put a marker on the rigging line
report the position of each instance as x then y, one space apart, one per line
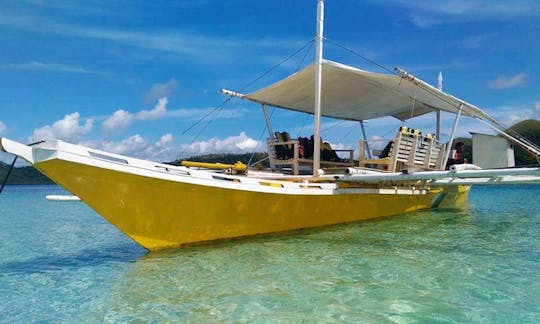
206 115
350 130
277 65
360 55
201 130
7 174
220 107
496 124
501 126
260 137
305 55
306 119
333 125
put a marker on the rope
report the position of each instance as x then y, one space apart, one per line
306 118
343 137
305 55
360 55
8 173
206 115
260 138
219 108
333 125
278 65
204 127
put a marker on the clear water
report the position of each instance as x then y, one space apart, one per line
59 261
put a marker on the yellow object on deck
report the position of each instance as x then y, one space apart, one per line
238 166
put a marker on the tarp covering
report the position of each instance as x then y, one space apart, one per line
354 94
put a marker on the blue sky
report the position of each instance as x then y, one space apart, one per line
132 76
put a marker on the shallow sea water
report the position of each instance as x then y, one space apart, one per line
60 261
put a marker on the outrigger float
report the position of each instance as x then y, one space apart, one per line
162 206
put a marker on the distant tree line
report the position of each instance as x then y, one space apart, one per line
23 175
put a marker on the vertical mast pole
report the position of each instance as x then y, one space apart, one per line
439 87
318 86
365 139
438 130
452 135
268 122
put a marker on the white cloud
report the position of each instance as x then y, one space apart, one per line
2 127
132 145
137 146
233 144
505 82
68 129
537 106
50 67
165 140
160 110
120 119
160 90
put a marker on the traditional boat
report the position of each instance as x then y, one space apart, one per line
162 206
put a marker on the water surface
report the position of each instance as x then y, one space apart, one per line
60 261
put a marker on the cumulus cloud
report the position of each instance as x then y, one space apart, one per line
160 90
120 119
159 111
69 129
505 82
165 140
233 144
137 146
2 127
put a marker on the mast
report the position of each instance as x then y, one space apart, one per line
438 112
318 86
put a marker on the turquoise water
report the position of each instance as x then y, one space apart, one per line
59 261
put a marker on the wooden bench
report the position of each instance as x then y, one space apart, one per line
409 149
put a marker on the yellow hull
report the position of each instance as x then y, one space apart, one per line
161 214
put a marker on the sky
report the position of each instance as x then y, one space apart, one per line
143 78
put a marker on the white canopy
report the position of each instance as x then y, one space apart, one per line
354 94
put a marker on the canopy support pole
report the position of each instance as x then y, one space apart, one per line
318 86
438 125
268 122
365 138
449 145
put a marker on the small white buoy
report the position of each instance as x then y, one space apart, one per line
62 198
